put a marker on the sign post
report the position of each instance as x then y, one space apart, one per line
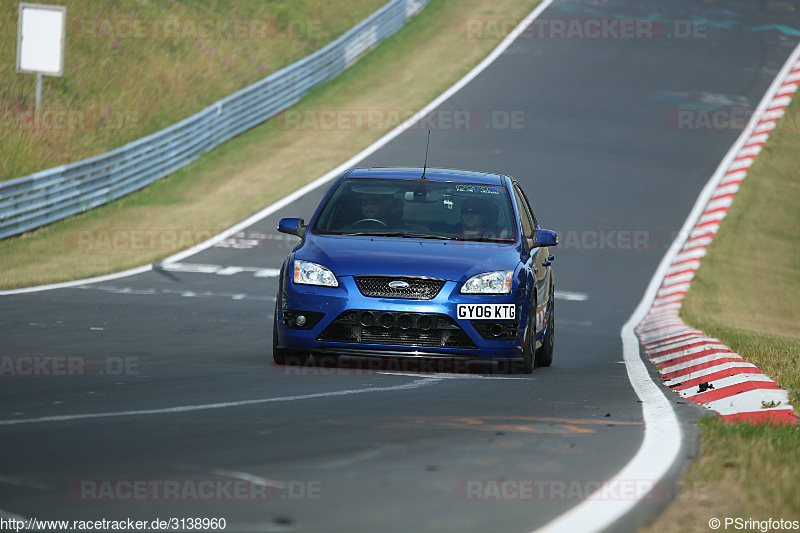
41 40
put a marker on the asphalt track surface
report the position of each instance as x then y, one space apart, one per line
596 146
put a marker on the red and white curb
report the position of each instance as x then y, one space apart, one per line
697 367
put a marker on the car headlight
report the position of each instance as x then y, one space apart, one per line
489 283
308 273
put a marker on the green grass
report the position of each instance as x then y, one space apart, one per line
120 85
760 459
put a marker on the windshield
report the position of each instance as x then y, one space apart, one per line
427 209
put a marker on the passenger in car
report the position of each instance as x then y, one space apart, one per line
477 219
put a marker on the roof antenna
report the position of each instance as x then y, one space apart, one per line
425 165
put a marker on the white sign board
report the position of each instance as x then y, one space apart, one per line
41 39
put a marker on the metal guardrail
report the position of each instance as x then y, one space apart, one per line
32 201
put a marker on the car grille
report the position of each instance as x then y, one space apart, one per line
417 289
407 329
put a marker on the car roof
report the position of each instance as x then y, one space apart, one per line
433 174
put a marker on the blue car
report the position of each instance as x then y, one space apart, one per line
437 264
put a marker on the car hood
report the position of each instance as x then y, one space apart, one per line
349 255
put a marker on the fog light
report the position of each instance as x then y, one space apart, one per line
300 321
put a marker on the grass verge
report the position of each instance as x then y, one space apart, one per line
747 294
745 472
264 164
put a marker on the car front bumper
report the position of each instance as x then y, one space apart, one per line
342 321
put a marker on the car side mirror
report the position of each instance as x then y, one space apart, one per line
544 237
292 226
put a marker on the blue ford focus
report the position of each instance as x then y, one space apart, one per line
438 264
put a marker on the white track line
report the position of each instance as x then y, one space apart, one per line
98 279
220 405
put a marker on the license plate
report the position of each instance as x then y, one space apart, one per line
487 311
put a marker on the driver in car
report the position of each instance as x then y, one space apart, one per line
374 206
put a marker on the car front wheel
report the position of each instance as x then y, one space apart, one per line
526 365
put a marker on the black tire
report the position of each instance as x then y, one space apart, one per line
544 355
526 365
285 356
528 351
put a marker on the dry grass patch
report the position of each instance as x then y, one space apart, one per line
122 83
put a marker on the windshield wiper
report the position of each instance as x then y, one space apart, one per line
403 234
475 238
